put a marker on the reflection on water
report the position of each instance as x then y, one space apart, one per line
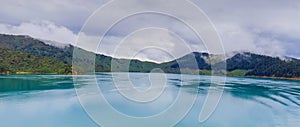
34 82
50 100
251 102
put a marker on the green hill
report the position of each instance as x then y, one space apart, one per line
261 65
26 54
21 62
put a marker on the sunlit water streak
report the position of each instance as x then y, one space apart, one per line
50 100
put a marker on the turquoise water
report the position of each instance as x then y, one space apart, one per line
51 100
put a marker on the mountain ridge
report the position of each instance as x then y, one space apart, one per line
227 55
240 64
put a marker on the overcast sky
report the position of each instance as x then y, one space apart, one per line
263 26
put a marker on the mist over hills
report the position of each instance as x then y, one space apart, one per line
26 54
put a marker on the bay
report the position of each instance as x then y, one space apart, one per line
51 100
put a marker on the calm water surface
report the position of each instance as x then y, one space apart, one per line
51 100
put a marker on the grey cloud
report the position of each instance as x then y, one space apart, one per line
69 13
241 24
264 26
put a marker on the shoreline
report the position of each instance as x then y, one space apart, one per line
38 73
33 73
280 78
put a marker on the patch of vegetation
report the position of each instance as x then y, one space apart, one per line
237 72
261 65
20 62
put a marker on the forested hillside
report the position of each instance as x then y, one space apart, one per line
26 54
21 62
261 65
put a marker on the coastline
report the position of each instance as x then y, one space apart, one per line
76 73
271 77
34 73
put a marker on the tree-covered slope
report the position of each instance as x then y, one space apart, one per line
16 61
23 53
64 54
188 61
262 65
36 47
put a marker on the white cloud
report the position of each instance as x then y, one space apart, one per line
42 30
151 44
